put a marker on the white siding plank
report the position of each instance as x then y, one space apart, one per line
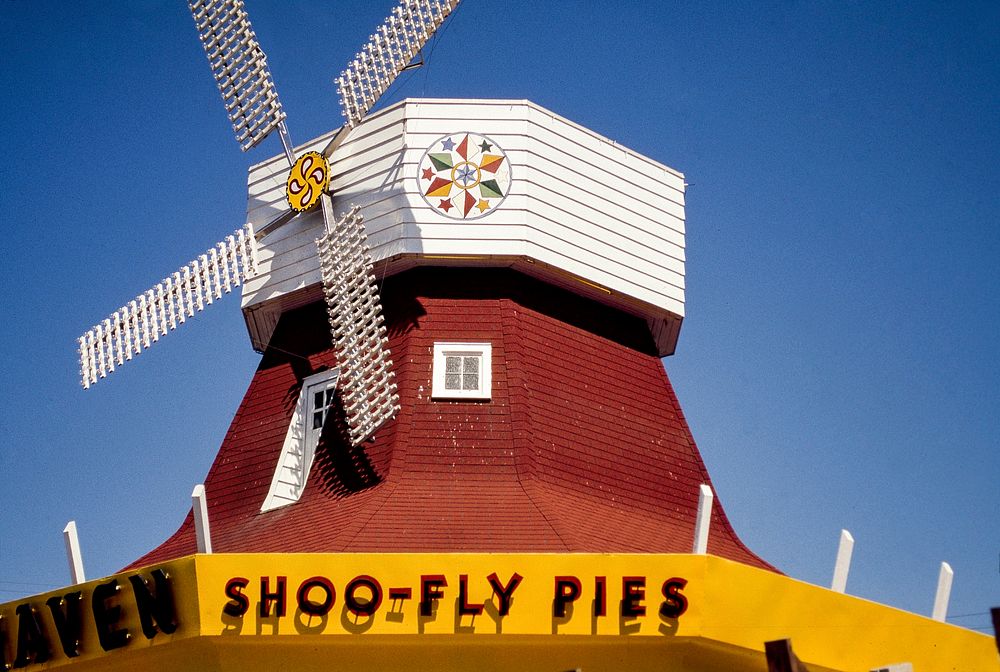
579 202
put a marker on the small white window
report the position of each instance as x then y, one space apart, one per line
462 371
319 396
301 439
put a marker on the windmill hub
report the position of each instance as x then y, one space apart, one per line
239 67
307 181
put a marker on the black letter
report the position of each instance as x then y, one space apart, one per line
356 606
567 590
32 646
400 594
464 608
3 646
430 590
266 598
675 604
633 593
315 608
66 615
600 595
4 665
105 617
239 603
159 606
504 593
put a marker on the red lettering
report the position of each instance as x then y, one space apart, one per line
504 593
368 607
316 608
400 594
633 593
278 597
238 602
464 608
674 603
567 591
600 596
430 591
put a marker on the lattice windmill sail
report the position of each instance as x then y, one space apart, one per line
356 323
388 52
240 69
138 324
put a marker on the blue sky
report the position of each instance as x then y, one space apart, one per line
838 363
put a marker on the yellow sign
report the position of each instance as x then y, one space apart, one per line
134 612
308 179
467 611
448 594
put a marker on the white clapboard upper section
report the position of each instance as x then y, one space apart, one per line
583 212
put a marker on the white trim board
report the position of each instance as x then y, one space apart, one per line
297 452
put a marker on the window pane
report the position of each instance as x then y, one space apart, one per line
470 381
453 381
471 364
317 420
452 364
318 400
329 397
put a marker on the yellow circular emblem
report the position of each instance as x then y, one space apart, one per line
309 178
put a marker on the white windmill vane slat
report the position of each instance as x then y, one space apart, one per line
138 324
387 53
369 392
240 69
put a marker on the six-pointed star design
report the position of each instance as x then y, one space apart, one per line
466 175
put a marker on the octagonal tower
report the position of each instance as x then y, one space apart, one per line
574 209
532 275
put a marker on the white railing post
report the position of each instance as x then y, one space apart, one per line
704 519
943 592
199 507
73 555
843 565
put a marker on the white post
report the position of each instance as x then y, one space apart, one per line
943 592
843 565
73 556
199 506
704 519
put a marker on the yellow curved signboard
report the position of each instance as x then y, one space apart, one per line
468 611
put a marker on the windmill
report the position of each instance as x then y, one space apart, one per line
240 69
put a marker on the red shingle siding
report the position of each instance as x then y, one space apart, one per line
582 447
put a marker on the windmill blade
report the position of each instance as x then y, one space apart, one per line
355 313
387 53
241 73
141 322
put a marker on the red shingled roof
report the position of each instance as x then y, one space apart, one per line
582 448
